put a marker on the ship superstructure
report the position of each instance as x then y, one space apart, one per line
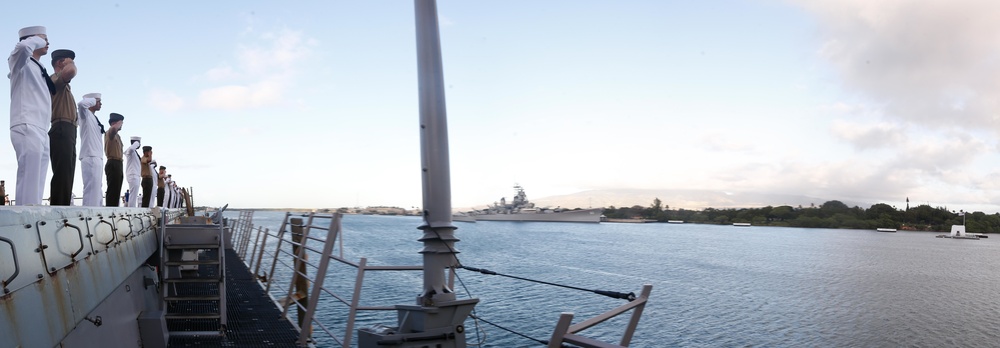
521 209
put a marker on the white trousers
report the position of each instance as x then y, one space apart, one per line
31 145
133 191
92 170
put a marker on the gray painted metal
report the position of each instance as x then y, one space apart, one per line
117 325
583 215
63 273
153 330
437 319
438 238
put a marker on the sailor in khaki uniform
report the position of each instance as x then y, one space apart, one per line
147 177
31 92
113 168
153 193
62 133
161 193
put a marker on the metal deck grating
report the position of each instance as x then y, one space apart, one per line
254 321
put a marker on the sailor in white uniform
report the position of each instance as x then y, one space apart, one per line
173 195
91 149
168 192
30 113
156 174
133 171
176 195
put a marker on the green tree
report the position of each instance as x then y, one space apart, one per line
783 213
831 208
876 211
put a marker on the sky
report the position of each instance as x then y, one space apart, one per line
262 104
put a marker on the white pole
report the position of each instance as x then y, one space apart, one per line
439 236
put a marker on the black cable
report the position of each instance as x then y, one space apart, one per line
479 340
467 292
516 333
630 296
613 294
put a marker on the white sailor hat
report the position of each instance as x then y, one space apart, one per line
28 31
92 95
136 138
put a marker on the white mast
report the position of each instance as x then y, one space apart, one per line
437 319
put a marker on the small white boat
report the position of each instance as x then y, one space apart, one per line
675 221
741 224
886 229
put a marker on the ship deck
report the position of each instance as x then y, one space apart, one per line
253 318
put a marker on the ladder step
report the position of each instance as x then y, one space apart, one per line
191 246
192 316
192 262
193 298
193 280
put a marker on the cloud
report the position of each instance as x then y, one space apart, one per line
864 136
726 142
262 74
921 77
931 63
445 21
935 156
238 97
221 73
165 100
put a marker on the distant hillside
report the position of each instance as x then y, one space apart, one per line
675 199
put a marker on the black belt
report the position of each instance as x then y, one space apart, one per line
64 121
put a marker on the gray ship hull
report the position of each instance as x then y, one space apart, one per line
584 215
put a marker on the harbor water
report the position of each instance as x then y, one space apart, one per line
713 286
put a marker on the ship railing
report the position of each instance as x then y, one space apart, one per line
241 233
566 332
306 255
171 215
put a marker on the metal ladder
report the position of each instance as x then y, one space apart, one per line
192 268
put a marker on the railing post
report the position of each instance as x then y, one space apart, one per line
277 252
260 255
633 322
245 227
313 299
256 242
236 229
245 237
301 282
565 319
355 300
